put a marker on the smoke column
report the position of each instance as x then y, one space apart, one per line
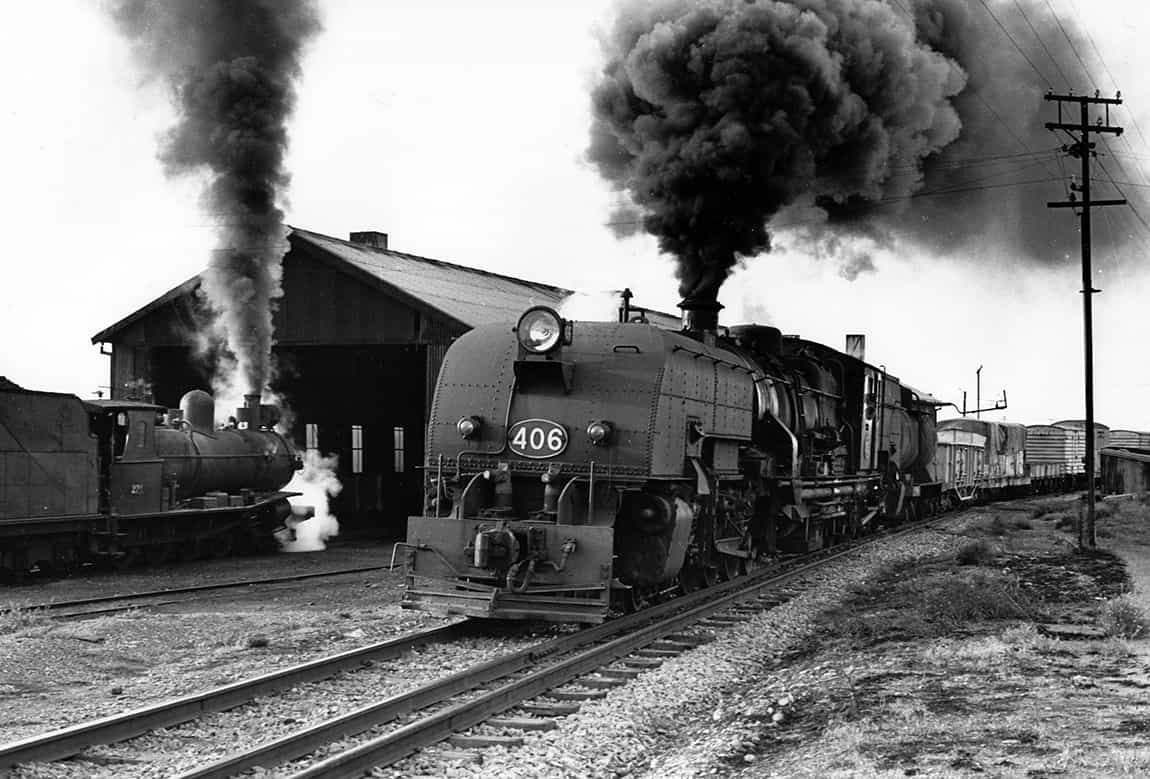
232 68
724 120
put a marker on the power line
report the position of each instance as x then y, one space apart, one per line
1006 32
1090 78
1130 203
1042 43
1002 121
1114 83
1073 48
957 190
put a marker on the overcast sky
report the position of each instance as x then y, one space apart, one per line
460 131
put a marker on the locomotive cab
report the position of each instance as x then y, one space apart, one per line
125 432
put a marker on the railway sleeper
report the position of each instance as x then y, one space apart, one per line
653 652
523 723
479 742
577 694
547 709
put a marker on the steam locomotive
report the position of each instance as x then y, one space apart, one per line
123 481
576 467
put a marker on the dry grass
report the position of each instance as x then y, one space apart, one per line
925 599
15 619
1122 618
938 668
1126 519
977 552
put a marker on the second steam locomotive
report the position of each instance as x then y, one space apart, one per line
122 481
574 467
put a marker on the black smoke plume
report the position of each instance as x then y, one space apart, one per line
232 67
717 117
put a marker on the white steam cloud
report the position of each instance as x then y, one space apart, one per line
317 481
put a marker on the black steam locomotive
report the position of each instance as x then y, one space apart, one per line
577 466
122 481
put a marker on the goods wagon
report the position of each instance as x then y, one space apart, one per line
977 459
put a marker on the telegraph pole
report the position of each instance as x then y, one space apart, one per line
1083 148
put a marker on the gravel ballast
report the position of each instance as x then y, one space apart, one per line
707 711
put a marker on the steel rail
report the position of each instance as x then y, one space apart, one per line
119 727
55 605
625 634
398 744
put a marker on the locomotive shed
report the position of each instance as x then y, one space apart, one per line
361 331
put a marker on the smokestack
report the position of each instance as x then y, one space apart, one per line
370 238
701 317
249 416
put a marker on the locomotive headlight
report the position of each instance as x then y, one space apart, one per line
599 432
540 330
468 427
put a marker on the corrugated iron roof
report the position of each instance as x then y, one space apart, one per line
470 296
473 297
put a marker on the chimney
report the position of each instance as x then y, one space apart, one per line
248 415
370 238
856 346
701 318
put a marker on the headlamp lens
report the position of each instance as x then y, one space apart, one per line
539 330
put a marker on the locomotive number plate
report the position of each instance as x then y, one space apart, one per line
537 438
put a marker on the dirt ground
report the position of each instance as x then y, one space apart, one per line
56 673
1017 657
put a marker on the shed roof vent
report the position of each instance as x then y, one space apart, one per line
372 238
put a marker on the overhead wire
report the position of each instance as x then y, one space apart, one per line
1042 43
1013 41
1073 48
1114 183
1114 83
1086 72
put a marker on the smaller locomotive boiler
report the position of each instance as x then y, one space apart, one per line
575 467
124 481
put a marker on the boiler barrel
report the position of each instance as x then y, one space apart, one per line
224 460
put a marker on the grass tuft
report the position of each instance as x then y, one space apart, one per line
978 552
958 600
14 619
996 527
1122 618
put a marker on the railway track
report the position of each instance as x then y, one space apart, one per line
110 604
559 672
69 741
582 666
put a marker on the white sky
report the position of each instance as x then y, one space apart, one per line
459 130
